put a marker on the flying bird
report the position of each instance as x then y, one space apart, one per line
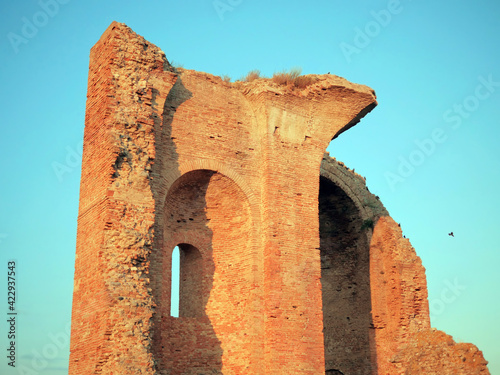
451 234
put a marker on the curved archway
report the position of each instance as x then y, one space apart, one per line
209 217
345 279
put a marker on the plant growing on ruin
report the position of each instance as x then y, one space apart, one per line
287 78
252 76
293 78
368 224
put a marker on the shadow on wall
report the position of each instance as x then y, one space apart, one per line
345 277
187 344
207 215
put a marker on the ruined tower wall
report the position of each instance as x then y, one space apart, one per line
230 173
112 301
379 295
155 127
400 339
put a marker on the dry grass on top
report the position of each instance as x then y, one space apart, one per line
292 78
252 76
176 66
303 81
287 78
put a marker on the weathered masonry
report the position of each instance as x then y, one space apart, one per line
288 264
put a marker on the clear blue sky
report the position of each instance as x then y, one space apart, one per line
429 150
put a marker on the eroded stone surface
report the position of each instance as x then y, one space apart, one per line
434 352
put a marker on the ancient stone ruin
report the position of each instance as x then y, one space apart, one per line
288 264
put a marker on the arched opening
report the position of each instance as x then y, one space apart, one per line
345 281
207 216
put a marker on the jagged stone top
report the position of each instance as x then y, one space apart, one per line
317 82
354 185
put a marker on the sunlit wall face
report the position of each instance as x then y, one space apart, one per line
423 61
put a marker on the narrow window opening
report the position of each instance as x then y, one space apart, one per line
174 294
186 299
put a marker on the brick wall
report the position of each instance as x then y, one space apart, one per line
230 173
